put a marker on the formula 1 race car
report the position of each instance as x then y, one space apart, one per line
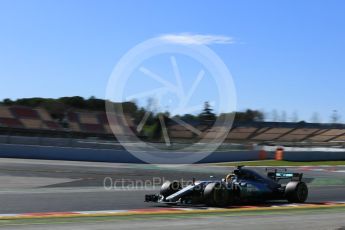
243 185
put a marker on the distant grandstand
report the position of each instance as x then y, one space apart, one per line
24 117
271 132
285 132
25 120
21 120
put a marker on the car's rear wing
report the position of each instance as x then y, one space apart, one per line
277 174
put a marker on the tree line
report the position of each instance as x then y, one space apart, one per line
58 108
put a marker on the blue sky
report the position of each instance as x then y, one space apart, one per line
286 55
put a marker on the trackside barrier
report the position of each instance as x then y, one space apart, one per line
245 155
122 156
110 155
263 155
66 153
313 156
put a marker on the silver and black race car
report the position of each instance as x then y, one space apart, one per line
242 185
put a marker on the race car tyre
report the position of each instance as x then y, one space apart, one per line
169 188
216 194
296 192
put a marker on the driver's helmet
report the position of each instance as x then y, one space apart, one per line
229 177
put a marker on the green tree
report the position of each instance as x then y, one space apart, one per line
7 101
249 116
74 102
207 115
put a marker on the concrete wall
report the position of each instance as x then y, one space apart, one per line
249 155
122 156
107 155
313 156
66 153
61 142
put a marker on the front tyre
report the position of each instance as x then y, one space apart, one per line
169 188
216 194
296 192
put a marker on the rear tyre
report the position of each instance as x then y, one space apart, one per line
296 192
169 188
216 194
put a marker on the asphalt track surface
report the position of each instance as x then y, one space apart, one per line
59 186
315 221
